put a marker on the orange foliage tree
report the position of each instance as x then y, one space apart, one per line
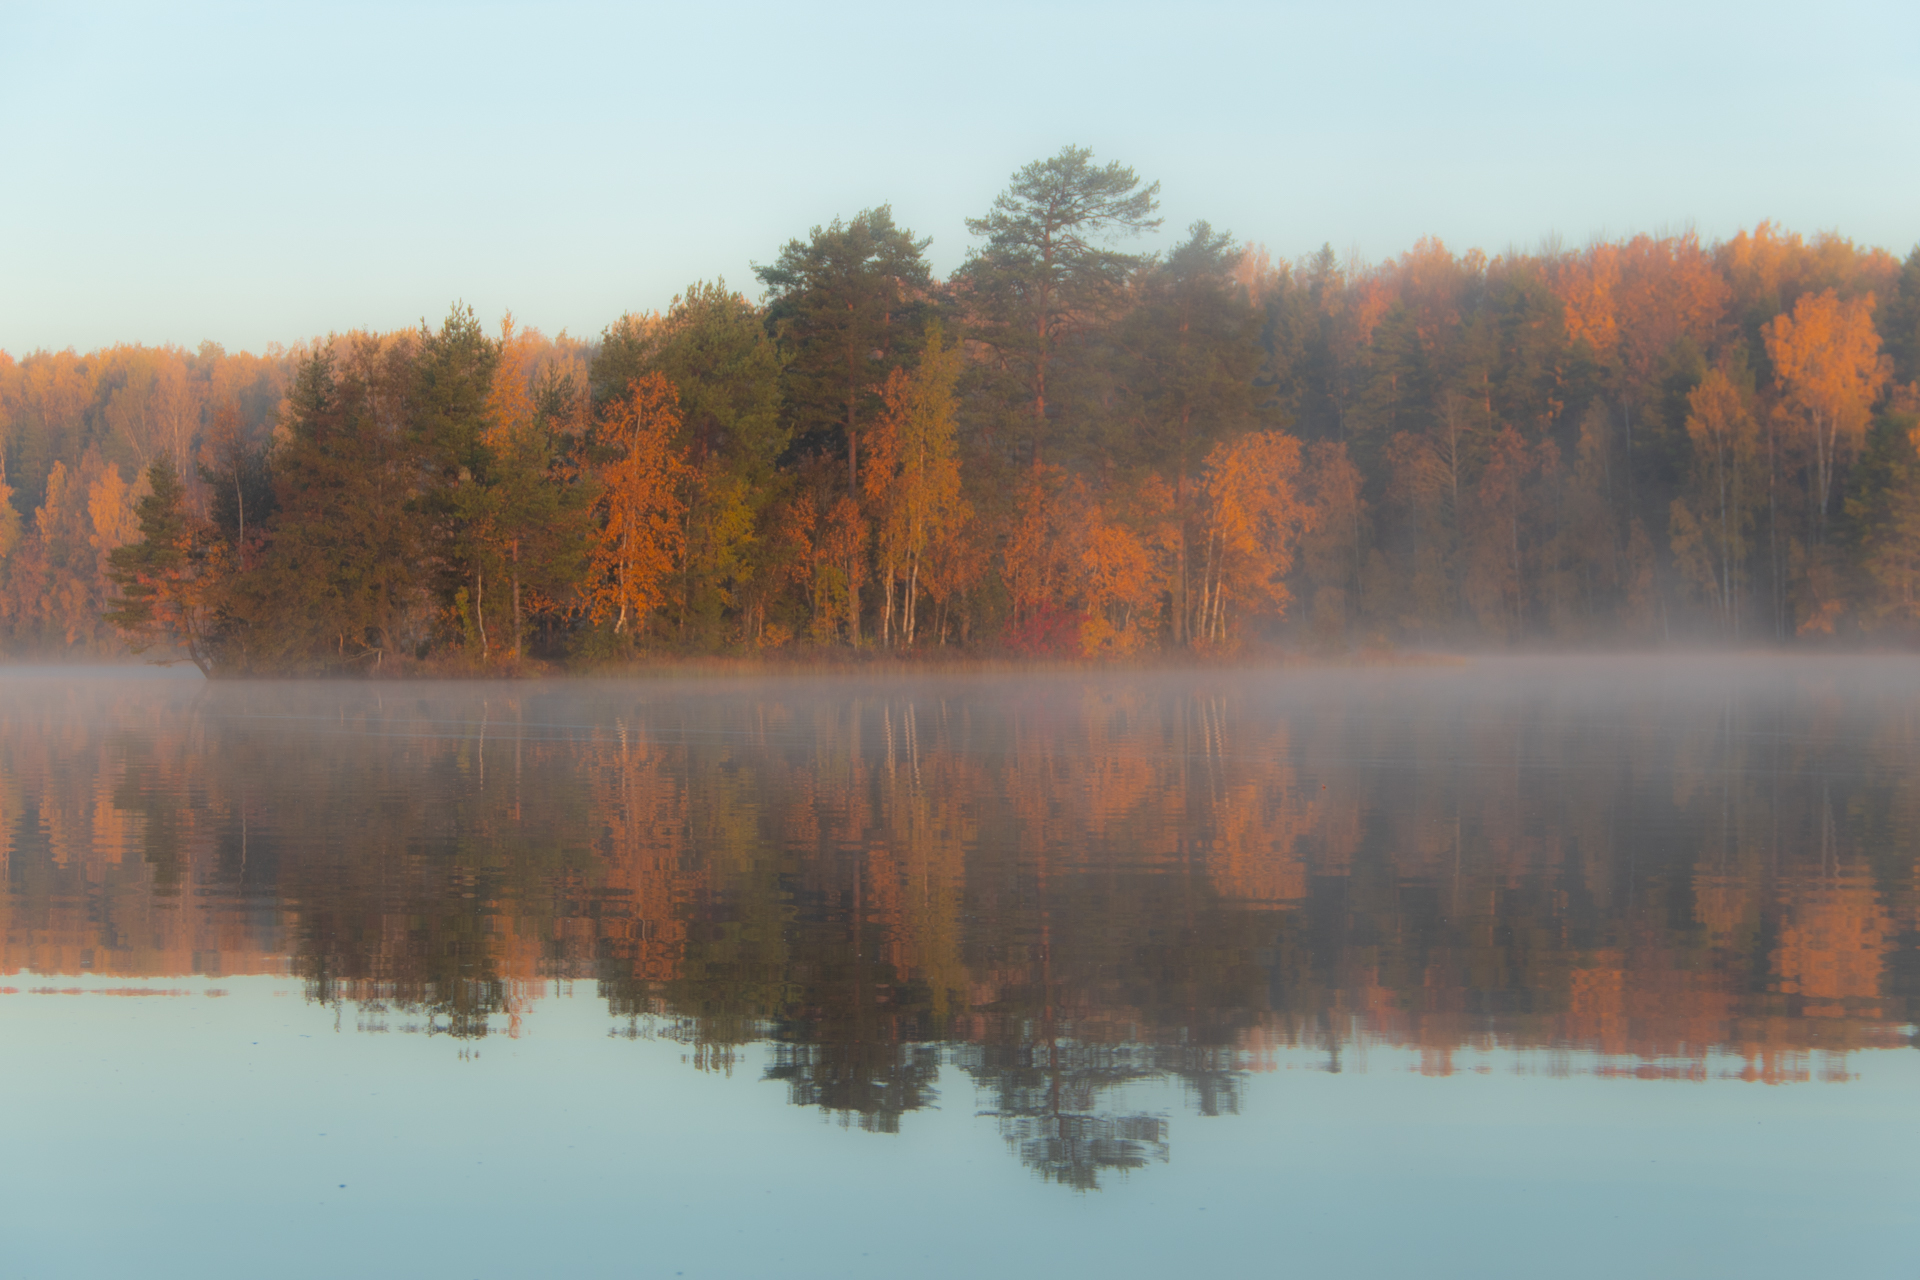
1041 556
640 504
1253 522
1122 588
1710 524
1826 359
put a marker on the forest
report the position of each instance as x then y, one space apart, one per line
1065 449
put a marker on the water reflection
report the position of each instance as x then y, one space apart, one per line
1059 885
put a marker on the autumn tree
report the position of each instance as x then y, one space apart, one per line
955 567
912 479
1124 548
1253 521
640 505
1041 560
9 515
1826 360
154 405
1711 523
56 582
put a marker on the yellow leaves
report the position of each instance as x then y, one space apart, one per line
823 544
641 504
912 476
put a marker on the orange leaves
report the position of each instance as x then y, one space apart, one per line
823 543
1121 582
1668 289
1631 301
1040 563
1113 558
1709 526
640 504
1826 358
1585 286
510 394
1254 520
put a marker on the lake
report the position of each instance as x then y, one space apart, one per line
1574 967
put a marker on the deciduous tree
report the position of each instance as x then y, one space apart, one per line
1826 359
640 505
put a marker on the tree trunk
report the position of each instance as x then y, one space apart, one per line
1180 630
518 623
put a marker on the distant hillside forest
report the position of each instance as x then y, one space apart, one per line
1063 449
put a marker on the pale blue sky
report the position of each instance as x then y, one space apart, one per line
253 173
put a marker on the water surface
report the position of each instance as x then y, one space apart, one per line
1572 967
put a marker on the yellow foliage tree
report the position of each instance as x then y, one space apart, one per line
912 477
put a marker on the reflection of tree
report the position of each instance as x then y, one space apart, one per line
878 1083
1045 1098
1067 889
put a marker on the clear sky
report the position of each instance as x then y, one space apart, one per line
261 173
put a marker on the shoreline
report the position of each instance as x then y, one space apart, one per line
878 665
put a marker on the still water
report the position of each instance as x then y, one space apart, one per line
1550 967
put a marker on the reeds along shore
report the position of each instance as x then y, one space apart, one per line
1102 456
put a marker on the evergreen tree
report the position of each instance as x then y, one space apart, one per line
1190 351
1044 275
846 305
343 583
165 580
715 350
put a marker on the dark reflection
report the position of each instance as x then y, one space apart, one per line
1063 887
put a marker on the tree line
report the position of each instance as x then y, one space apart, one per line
1065 448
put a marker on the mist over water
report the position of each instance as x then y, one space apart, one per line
1474 939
